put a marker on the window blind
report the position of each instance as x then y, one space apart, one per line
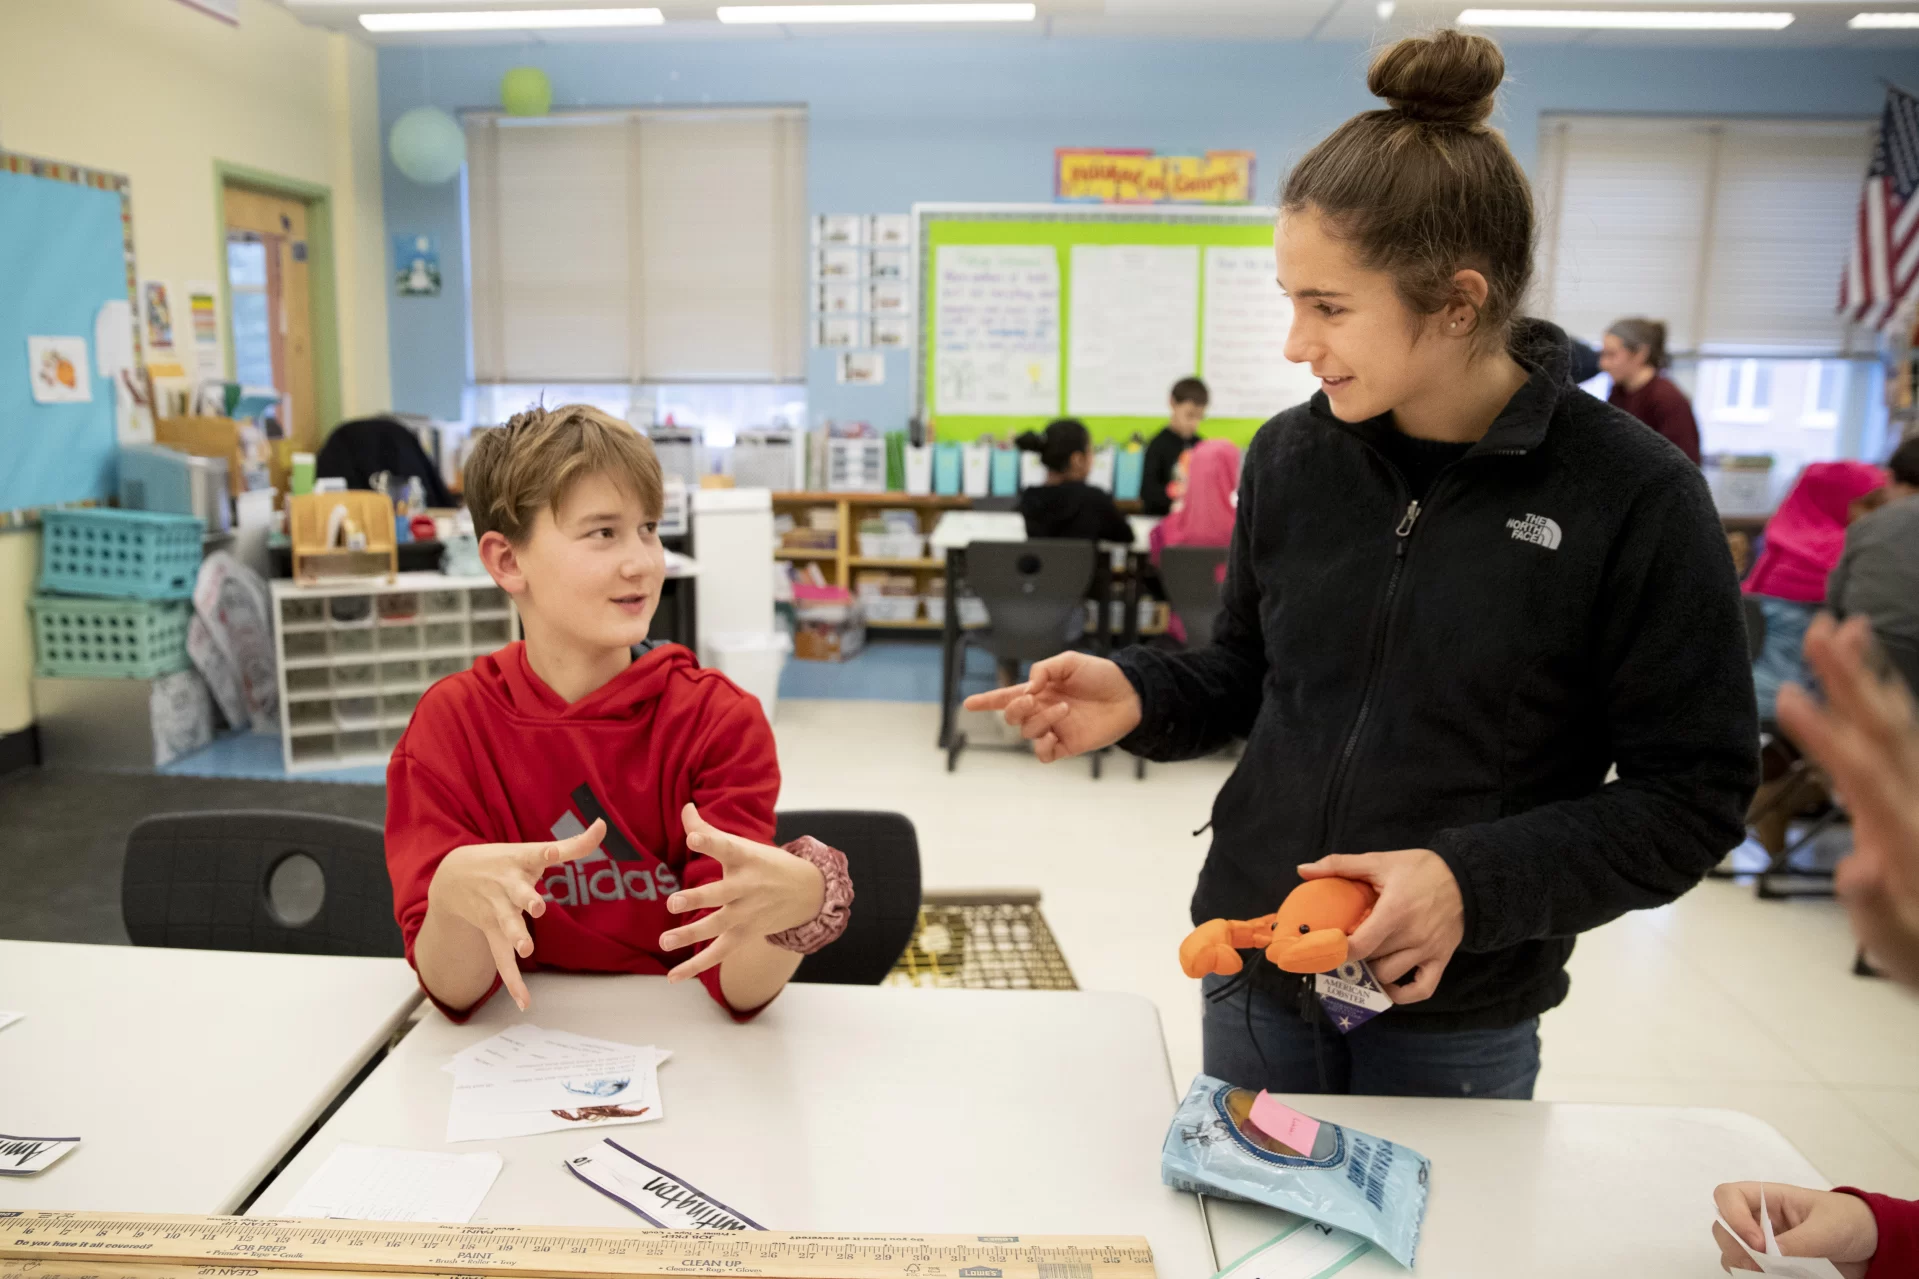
1731 231
638 246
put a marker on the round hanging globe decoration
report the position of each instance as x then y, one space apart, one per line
526 91
427 145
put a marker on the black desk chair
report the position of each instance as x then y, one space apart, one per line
883 860
290 883
1035 597
1190 575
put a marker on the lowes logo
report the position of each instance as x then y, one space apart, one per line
1536 529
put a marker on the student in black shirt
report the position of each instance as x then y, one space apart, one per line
1180 433
1066 505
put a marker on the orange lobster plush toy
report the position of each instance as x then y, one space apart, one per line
1307 935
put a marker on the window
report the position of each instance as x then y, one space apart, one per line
1825 393
638 246
249 309
1744 390
1734 232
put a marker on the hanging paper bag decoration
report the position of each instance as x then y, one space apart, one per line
526 91
427 145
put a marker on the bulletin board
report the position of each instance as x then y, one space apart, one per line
1138 298
66 248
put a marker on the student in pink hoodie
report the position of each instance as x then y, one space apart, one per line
1804 540
1208 497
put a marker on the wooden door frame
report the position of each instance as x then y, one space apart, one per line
322 288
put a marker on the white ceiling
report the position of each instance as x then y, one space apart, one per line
1820 23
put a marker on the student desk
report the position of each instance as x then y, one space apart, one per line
864 1108
954 532
188 1074
1526 1188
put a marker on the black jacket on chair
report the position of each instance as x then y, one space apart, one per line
359 450
1459 674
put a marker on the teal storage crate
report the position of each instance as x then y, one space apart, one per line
946 469
76 638
1129 469
141 555
1005 474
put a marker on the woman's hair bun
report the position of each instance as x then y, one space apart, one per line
1030 441
1448 77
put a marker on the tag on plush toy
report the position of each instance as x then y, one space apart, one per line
1774 1262
1351 995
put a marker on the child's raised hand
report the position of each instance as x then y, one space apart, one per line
490 886
1806 1223
764 890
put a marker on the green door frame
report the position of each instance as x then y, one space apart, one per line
322 288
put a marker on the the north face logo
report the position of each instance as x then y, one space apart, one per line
1536 529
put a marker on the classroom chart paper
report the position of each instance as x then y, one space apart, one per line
1247 318
1133 327
997 343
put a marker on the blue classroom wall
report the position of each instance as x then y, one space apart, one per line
899 119
62 254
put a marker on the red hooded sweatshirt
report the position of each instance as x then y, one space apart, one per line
493 755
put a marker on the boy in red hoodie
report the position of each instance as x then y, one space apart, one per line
587 799
1866 735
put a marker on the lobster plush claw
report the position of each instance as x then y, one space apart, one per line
1214 946
1313 923
1307 935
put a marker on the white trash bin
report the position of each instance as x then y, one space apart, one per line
753 660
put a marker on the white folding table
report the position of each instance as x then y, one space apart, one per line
187 1074
1529 1188
840 1108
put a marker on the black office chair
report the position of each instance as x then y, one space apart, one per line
883 860
1190 575
1035 597
291 883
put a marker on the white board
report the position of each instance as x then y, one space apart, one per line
1135 327
1247 373
997 347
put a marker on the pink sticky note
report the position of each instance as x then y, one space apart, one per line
1284 1124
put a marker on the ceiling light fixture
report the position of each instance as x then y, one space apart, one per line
798 13
1625 20
1883 21
511 19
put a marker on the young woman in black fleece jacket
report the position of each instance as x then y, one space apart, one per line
1459 591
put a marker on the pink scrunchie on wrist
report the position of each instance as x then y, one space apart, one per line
825 928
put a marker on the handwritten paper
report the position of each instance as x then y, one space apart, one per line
996 331
1133 328
378 1183
1284 1124
7 1019
655 1194
1247 318
24 1156
1304 1250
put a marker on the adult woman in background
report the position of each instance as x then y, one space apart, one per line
1634 356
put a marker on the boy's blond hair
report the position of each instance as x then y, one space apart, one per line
538 456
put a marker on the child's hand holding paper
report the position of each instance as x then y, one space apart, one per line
1826 1233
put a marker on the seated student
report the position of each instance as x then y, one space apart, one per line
1867 738
588 778
1187 411
1066 505
1878 573
1208 496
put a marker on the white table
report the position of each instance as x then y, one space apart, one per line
188 1074
1525 1188
840 1108
957 528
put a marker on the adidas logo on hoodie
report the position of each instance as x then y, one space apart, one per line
597 877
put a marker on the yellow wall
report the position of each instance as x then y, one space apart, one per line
159 91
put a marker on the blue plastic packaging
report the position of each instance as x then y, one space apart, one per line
1366 1185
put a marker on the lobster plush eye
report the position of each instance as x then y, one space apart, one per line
1304 929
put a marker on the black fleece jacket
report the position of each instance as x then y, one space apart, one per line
1459 674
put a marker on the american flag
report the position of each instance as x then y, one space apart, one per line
1884 266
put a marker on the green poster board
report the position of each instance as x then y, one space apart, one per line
1061 227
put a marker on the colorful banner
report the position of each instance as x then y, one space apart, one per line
1103 175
